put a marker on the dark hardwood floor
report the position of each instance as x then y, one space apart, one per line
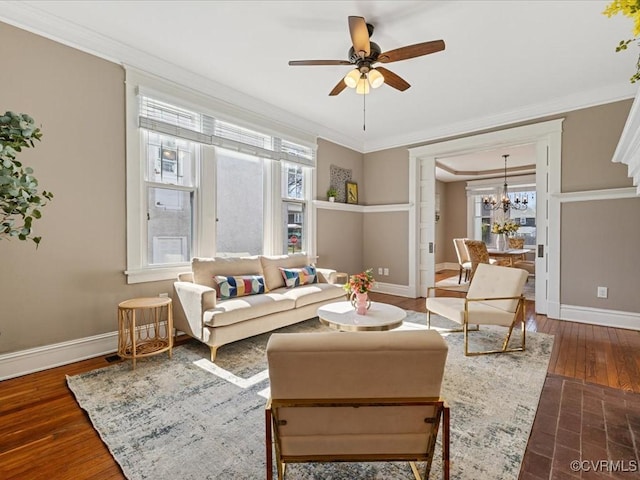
589 406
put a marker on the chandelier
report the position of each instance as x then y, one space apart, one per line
505 204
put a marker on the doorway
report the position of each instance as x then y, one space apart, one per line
547 139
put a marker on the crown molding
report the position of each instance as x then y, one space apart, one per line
577 101
30 18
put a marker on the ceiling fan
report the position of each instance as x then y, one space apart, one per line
364 54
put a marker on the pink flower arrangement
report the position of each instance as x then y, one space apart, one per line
361 282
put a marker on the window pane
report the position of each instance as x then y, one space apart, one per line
170 160
483 218
165 112
240 200
292 182
169 225
293 215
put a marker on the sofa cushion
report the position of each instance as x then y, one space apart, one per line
308 294
234 310
205 269
240 286
294 277
271 264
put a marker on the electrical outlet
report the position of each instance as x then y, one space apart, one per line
379 270
163 295
386 271
603 292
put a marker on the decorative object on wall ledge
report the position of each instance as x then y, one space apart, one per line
20 201
332 193
338 177
352 193
631 9
505 204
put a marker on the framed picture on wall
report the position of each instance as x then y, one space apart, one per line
352 192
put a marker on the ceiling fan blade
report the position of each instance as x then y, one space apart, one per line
318 62
411 51
338 88
359 35
393 80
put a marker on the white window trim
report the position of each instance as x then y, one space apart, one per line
205 217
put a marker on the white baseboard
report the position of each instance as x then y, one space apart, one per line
392 289
20 363
598 316
447 266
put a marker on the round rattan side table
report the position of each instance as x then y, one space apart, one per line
145 327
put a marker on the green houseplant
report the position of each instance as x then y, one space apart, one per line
20 200
332 193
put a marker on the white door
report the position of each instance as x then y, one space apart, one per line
426 224
547 136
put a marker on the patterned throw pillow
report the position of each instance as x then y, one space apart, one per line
294 277
231 287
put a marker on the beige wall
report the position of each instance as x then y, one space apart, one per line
386 177
339 240
600 240
339 237
589 139
70 287
386 244
343 157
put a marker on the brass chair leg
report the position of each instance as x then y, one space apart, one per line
214 352
415 471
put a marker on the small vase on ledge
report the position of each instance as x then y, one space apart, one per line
361 302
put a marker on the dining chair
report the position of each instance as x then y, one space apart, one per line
463 259
522 262
478 253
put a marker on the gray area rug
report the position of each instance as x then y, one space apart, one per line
190 419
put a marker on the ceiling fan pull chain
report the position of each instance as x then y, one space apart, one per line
364 113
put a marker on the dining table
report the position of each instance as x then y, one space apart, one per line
511 254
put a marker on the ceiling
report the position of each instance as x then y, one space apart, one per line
505 61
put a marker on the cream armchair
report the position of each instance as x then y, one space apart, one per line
356 396
494 298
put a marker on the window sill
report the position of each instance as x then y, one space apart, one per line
155 274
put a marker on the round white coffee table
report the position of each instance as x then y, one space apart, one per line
342 316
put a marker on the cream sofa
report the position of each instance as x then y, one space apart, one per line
201 314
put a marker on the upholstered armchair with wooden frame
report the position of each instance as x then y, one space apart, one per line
356 397
494 298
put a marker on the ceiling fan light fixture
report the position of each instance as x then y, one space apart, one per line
376 79
352 78
363 86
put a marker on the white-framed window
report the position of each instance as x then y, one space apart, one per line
201 183
295 205
480 219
